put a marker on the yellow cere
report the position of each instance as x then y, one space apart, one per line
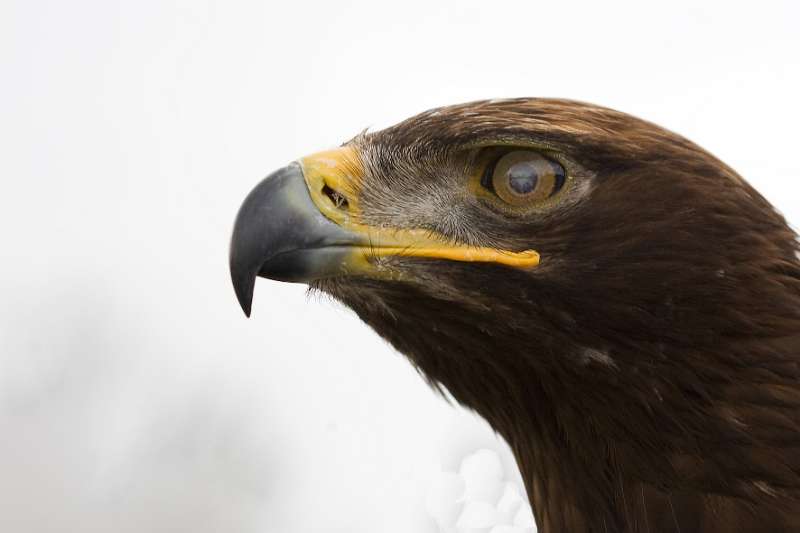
341 170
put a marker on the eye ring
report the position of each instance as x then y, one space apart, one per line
523 177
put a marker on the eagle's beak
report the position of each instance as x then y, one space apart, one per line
301 223
280 234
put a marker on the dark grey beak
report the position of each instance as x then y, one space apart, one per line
280 234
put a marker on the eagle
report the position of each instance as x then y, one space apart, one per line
621 306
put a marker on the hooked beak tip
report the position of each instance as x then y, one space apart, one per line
242 273
244 293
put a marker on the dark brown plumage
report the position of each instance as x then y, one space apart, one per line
646 373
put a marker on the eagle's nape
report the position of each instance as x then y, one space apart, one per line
633 331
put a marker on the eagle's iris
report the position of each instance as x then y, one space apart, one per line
525 177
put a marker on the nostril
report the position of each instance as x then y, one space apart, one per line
339 200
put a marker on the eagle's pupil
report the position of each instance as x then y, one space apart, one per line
522 177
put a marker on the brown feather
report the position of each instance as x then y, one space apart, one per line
646 375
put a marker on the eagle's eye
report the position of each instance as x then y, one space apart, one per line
523 177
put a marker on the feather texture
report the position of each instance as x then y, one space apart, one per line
646 374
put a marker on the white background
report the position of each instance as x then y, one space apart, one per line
134 395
